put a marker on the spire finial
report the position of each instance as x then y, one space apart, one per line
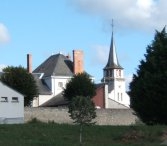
112 25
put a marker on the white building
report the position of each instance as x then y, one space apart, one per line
113 76
11 105
53 74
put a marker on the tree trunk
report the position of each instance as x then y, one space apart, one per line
80 137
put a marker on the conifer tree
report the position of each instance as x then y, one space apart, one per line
148 89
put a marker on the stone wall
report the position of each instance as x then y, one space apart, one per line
61 115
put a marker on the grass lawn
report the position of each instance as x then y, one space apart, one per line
43 134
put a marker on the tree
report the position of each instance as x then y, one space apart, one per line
19 79
82 111
79 85
79 91
148 89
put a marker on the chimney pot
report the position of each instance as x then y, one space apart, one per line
29 63
78 61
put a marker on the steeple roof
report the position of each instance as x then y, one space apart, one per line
113 59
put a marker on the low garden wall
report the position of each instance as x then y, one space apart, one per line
61 115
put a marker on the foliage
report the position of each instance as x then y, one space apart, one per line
34 121
79 91
19 79
79 85
82 110
148 89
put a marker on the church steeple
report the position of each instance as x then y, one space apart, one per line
113 59
113 77
112 70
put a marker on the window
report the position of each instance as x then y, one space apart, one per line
120 73
121 97
110 73
15 99
60 85
118 96
4 99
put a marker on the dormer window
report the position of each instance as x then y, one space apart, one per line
60 85
4 99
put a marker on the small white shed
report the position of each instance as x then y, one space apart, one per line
11 105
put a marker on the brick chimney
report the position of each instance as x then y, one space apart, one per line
29 63
78 61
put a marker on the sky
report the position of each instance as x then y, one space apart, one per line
43 28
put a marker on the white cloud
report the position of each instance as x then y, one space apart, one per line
137 14
4 35
101 55
2 66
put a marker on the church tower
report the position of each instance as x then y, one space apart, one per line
113 76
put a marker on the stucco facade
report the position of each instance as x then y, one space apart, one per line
11 105
56 84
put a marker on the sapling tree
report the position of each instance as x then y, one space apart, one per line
82 111
79 92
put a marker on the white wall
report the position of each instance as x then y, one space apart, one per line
56 84
116 105
119 93
10 109
59 83
41 99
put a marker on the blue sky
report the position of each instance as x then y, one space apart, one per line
43 28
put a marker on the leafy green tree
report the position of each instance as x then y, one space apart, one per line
79 85
19 79
148 89
79 91
82 111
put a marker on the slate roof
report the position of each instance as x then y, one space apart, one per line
43 89
113 59
57 100
118 104
99 85
56 65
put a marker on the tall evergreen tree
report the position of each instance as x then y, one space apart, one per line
19 79
148 89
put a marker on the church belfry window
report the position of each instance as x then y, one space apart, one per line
110 73
119 72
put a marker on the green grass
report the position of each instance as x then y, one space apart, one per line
42 134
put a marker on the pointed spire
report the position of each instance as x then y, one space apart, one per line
112 59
